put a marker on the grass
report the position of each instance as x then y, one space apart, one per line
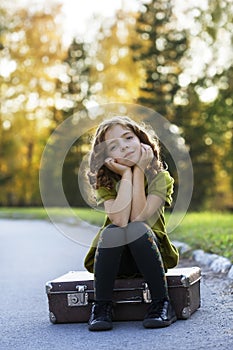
61 214
210 231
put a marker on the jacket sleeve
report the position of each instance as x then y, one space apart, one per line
103 194
162 186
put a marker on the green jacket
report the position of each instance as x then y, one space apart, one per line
162 186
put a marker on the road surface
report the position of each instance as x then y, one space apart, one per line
34 252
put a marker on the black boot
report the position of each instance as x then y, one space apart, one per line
101 316
160 314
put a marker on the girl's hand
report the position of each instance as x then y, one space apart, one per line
147 155
116 167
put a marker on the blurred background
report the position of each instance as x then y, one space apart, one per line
60 58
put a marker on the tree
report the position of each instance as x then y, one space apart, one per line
32 52
159 46
8 145
204 103
114 71
193 96
72 93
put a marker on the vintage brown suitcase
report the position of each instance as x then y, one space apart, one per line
71 295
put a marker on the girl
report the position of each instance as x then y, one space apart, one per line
131 182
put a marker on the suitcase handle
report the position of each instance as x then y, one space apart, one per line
136 300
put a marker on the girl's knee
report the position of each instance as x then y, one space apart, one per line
111 236
136 230
110 229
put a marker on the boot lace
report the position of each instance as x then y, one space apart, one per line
103 310
155 310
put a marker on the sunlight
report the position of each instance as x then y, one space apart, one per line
7 67
79 14
208 95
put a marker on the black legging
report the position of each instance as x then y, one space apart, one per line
128 251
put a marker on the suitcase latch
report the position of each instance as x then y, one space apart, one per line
78 299
146 294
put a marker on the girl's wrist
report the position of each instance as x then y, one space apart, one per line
127 174
138 169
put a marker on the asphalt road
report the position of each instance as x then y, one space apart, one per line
34 252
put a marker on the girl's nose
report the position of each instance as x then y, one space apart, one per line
123 146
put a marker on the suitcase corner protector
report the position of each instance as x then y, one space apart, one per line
48 287
52 317
186 313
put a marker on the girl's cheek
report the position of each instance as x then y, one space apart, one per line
140 150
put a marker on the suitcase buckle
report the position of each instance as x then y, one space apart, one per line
146 294
78 299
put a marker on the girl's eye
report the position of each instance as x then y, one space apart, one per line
112 148
129 137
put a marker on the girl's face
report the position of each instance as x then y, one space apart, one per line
123 145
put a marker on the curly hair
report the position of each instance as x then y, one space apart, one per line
99 175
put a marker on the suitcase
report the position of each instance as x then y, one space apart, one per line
71 295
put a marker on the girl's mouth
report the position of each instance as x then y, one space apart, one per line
128 155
